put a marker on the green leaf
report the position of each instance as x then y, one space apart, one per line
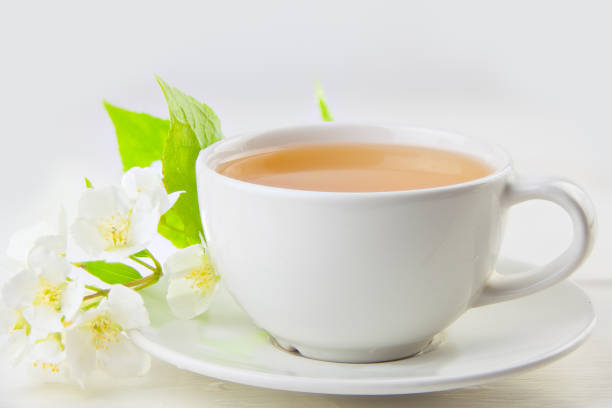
172 228
141 254
193 114
140 136
325 113
193 126
111 273
88 183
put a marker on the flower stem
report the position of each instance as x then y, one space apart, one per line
148 280
90 287
146 265
101 292
88 305
137 284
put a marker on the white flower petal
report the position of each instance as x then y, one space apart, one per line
83 318
184 261
139 182
43 319
163 203
53 244
55 272
16 346
129 183
47 351
20 289
22 241
124 359
47 263
143 223
126 308
109 227
72 297
9 267
13 342
8 318
80 354
102 202
172 198
48 249
100 212
157 167
87 236
39 372
184 301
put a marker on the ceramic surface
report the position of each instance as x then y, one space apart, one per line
365 277
485 344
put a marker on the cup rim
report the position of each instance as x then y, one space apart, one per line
205 157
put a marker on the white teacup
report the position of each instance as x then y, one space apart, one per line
366 277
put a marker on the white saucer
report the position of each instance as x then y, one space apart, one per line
485 344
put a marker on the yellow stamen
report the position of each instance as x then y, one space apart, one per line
114 229
204 278
48 294
104 331
46 366
51 367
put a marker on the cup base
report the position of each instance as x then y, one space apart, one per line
377 355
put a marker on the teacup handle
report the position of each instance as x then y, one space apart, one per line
582 213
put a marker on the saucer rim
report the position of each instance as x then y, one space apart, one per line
360 386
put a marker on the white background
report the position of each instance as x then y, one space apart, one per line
533 76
